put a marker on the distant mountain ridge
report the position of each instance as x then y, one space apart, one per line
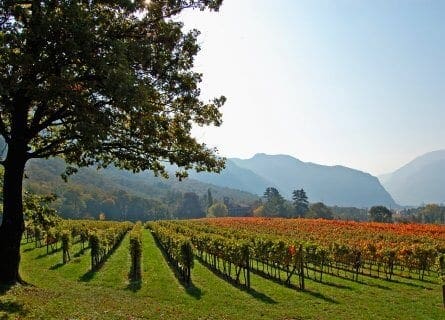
333 185
236 177
422 180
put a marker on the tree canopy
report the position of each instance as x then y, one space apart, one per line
217 209
432 213
319 210
274 203
97 82
380 214
104 82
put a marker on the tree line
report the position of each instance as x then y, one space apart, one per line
273 204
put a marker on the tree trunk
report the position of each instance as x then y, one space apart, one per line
13 225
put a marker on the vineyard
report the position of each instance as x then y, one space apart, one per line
230 268
283 249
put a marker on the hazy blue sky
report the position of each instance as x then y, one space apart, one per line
356 83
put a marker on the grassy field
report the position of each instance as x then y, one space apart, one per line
72 292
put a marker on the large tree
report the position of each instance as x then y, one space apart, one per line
97 82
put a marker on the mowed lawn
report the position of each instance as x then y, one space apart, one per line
72 292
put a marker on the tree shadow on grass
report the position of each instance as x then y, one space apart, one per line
80 252
320 296
50 253
332 284
5 288
255 294
8 306
310 292
89 275
411 284
193 291
57 266
190 288
134 286
405 280
264 275
374 285
28 249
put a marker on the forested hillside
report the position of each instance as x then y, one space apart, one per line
123 195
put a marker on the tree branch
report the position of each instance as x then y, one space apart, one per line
36 127
49 149
48 154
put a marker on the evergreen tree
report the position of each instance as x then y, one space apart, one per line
271 193
274 203
300 202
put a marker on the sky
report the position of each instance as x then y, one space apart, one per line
341 82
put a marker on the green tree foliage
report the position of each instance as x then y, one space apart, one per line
38 210
350 213
259 211
217 209
300 202
123 66
271 193
319 210
274 203
190 206
106 82
380 214
432 213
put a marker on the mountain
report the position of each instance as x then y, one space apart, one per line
333 185
420 181
235 177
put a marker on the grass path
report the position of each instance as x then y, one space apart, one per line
73 292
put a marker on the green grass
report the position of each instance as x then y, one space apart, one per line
72 292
